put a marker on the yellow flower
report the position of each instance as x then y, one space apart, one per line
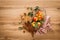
33 24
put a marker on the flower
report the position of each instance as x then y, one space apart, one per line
33 24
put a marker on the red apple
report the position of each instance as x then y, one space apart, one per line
35 19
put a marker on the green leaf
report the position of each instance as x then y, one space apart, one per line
36 8
36 25
30 14
20 28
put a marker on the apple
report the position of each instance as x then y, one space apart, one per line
35 18
39 24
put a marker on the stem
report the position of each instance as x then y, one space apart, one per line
33 36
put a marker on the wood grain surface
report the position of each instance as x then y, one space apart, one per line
10 11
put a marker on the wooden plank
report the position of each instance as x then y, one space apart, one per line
18 3
10 11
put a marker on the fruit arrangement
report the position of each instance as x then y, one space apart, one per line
35 20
